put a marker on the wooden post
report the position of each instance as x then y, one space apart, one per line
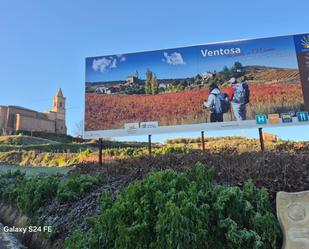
203 141
100 151
149 144
261 139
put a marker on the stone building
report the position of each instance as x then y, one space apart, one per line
15 118
132 80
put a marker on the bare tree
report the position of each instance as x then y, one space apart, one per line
79 128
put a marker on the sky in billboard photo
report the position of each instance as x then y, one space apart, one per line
189 61
37 60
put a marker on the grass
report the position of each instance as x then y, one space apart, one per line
24 140
32 171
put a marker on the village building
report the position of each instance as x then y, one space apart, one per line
108 90
207 76
14 119
132 80
101 89
163 85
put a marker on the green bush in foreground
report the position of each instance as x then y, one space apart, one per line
171 210
28 194
75 186
32 194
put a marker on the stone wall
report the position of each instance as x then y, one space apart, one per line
3 116
26 123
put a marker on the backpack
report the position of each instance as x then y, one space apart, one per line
241 93
222 103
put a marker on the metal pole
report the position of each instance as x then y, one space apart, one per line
203 141
261 139
100 151
149 144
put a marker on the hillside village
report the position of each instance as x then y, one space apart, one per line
134 84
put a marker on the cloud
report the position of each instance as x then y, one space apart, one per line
105 63
173 59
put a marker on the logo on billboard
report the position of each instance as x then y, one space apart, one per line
149 125
130 126
305 41
261 119
302 116
273 118
287 118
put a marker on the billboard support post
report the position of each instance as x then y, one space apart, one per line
100 151
149 144
203 141
261 139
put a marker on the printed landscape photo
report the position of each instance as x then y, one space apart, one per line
171 86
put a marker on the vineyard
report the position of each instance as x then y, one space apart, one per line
273 75
112 111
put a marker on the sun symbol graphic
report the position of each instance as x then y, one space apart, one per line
305 41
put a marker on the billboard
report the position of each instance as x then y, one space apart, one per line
227 85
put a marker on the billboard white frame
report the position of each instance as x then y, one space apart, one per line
226 125
230 125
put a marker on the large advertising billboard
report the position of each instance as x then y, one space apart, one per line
227 85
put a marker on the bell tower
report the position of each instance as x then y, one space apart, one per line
59 110
59 105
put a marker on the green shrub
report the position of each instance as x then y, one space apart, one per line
28 194
36 192
8 181
181 210
75 186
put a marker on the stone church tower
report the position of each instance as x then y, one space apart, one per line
14 119
59 110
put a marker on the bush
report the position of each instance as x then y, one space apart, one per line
181 210
28 194
36 192
75 186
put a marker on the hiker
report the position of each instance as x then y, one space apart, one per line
217 103
239 98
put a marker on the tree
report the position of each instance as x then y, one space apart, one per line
79 128
237 69
154 84
237 65
198 79
226 73
148 81
136 74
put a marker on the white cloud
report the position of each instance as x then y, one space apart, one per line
173 59
121 57
105 63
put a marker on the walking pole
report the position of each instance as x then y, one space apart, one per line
231 112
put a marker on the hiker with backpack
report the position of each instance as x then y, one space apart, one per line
217 103
239 98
